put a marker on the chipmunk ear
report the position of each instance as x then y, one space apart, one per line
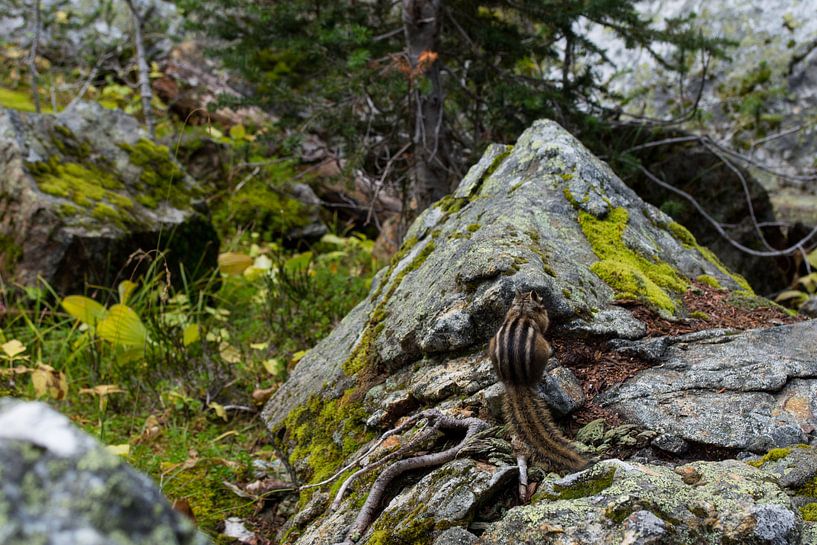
535 297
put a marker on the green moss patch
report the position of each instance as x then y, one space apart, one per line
16 100
161 177
362 355
686 238
10 253
809 512
630 274
772 456
86 186
415 528
324 434
709 280
589 486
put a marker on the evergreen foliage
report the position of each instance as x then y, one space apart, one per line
341 68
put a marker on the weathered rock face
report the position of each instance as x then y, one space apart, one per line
620 502
751 391
547 215
81 191
60 487
543 215
766 87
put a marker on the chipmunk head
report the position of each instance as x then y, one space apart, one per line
530 304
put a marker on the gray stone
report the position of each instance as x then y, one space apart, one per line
58 486
796 469
561 390
730 502
449 291
670 443
79 195
751 390
456 536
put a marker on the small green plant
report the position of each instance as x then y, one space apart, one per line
803 288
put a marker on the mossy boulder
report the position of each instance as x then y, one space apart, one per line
544 215
81 191
61 486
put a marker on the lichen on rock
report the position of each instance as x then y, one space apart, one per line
80 191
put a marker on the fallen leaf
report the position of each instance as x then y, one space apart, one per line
13 348
219 409
119 450
183 507
261 395
47 380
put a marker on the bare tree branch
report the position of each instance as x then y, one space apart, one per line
144 72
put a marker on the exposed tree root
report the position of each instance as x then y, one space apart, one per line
438 422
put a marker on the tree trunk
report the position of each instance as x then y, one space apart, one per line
421 24
32 56
144 72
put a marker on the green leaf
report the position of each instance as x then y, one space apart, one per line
190 334
799 296
122 327
84 309
126 288
298 263
329 238
128 355
812 259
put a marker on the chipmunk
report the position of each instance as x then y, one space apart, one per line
520 354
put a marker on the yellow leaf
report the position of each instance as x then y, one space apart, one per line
119 450
84 309
219 409
259 346
126 287
229 353
19 370
122 326
13 348
792 294
47 380
238 132
233 263
296 357
190 334
103 390
274 366
329 238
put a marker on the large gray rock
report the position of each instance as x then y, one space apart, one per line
513 223
545 215
753 390
620 502
58 486
81 191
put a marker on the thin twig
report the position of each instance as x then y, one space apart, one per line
719 228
